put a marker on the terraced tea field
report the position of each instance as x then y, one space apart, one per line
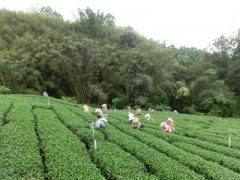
38 141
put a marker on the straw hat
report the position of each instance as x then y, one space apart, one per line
147 116
135 120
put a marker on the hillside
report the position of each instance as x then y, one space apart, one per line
96 61
55 142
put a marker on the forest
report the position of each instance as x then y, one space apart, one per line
95 61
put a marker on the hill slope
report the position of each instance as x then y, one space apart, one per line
55 142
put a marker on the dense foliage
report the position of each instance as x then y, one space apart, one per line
41 141
95 61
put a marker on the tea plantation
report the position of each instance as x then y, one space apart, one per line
38 141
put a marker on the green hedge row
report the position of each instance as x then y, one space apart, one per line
219 133
210 125
221 140
196 135
77 124
153 128
159 164
111 159
69 118
202 144
19 153
207 154
5 107
88 117
223 160
66 156
118 164
210 169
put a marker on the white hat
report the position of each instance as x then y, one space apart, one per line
147 116
98 112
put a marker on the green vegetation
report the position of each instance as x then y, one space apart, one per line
4 90
209 169
94 61
56 142
19 153
65 156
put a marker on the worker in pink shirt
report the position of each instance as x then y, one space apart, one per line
167 126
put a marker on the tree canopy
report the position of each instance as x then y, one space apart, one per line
95 61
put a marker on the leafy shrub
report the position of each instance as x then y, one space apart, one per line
4 90
19 155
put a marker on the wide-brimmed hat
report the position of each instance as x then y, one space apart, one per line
135 120
98 112
147 116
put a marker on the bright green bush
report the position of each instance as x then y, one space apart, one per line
209 169
158 163
61 132
66 156
19 153
4 90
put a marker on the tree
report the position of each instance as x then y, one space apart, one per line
128 37
47 10
96 61
95 25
